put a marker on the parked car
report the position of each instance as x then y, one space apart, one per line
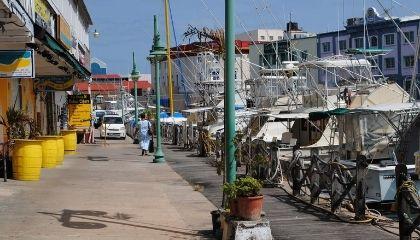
112 127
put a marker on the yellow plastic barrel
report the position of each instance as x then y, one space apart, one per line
27 159
49 151
70 140
60 150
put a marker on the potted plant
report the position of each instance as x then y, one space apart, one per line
27 153
245 199
231 191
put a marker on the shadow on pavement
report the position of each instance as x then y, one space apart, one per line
304 208
97 158
99 219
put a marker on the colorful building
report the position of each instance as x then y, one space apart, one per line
396 37
44 50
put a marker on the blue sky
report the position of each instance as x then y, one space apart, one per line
127 25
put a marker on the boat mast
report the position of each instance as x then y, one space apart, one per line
364 26
168 58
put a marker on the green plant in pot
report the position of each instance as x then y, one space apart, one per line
231 191
244 197
19 125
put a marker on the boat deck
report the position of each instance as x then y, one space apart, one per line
289 219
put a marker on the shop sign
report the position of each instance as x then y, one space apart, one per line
80 110
17 64
43 16
78 99
53 83
64 33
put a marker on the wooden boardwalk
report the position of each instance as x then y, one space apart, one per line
289 219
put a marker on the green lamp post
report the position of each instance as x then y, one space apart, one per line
135 75
156 56
230 91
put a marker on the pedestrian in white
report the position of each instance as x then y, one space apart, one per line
145 134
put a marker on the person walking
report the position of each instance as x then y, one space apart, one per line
145 133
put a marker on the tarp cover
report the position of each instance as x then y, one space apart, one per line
326 114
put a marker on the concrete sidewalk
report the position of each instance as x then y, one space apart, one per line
104 192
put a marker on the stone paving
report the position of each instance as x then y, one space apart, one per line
104 192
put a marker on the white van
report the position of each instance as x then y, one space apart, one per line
112 127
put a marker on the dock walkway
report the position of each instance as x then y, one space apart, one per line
289 219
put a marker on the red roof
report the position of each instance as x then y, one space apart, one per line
109 87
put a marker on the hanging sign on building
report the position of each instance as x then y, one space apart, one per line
17 64
64 33
80 110
53 83
43 16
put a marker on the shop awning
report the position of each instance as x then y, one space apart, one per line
52 44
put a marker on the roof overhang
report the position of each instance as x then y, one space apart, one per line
18 25
47 40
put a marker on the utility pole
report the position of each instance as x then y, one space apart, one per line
156 56
122 99
135 74
168 59
230 91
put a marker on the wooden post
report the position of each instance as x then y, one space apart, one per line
360 201
402 205
296 172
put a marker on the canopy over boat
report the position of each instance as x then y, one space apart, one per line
197 110
287 116
393 107
368 51
336 63
326 114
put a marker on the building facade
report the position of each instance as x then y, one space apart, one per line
98 67
296 45
261 35
50 38
198 72
382 33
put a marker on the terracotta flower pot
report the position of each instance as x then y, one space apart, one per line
250 207
233 207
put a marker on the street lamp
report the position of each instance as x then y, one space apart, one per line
135 75
96 34
156 56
